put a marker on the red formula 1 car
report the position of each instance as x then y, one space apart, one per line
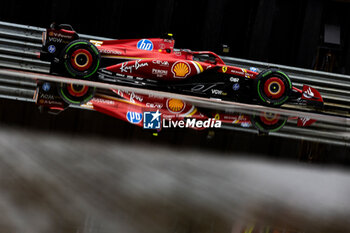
155 64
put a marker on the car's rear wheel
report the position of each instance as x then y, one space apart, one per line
268 122
81 59
76 94
273 87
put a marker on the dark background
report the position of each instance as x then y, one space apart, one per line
277 31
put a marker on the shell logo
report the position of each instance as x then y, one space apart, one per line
181 69
175 105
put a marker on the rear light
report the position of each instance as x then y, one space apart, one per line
36 94
43 38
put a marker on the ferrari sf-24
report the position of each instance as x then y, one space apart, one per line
154 63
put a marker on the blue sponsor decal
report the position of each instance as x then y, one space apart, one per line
246 125
51 49
134 117
152 120
254 69
145 44
46 87
235 87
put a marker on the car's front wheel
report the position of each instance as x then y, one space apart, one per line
273 87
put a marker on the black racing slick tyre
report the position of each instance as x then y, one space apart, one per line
268 122
81 59
273 87
75 94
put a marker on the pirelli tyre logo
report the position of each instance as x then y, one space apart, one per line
181 69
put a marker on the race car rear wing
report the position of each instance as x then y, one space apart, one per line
54 40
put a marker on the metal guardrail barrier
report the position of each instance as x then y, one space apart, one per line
19 49
20 45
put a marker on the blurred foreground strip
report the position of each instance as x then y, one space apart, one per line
64 183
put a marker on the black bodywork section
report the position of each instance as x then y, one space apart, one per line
56 38
207 84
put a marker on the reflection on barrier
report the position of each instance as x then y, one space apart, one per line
130 106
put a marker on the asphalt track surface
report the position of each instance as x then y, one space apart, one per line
63 183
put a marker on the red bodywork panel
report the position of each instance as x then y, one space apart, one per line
134 105
156 59
131 103
136 48
168 70
311 94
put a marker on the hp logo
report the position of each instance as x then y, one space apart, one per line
145 44
134 117
254 69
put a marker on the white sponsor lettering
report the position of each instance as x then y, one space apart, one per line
154 105
50 102
235 80
120 93
159 73
107 51
56 40
47 96
155 96
129 68
177 53
304 120
192 123
134 97
237 72
103 101
308 94
216 92
161 63
55 34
